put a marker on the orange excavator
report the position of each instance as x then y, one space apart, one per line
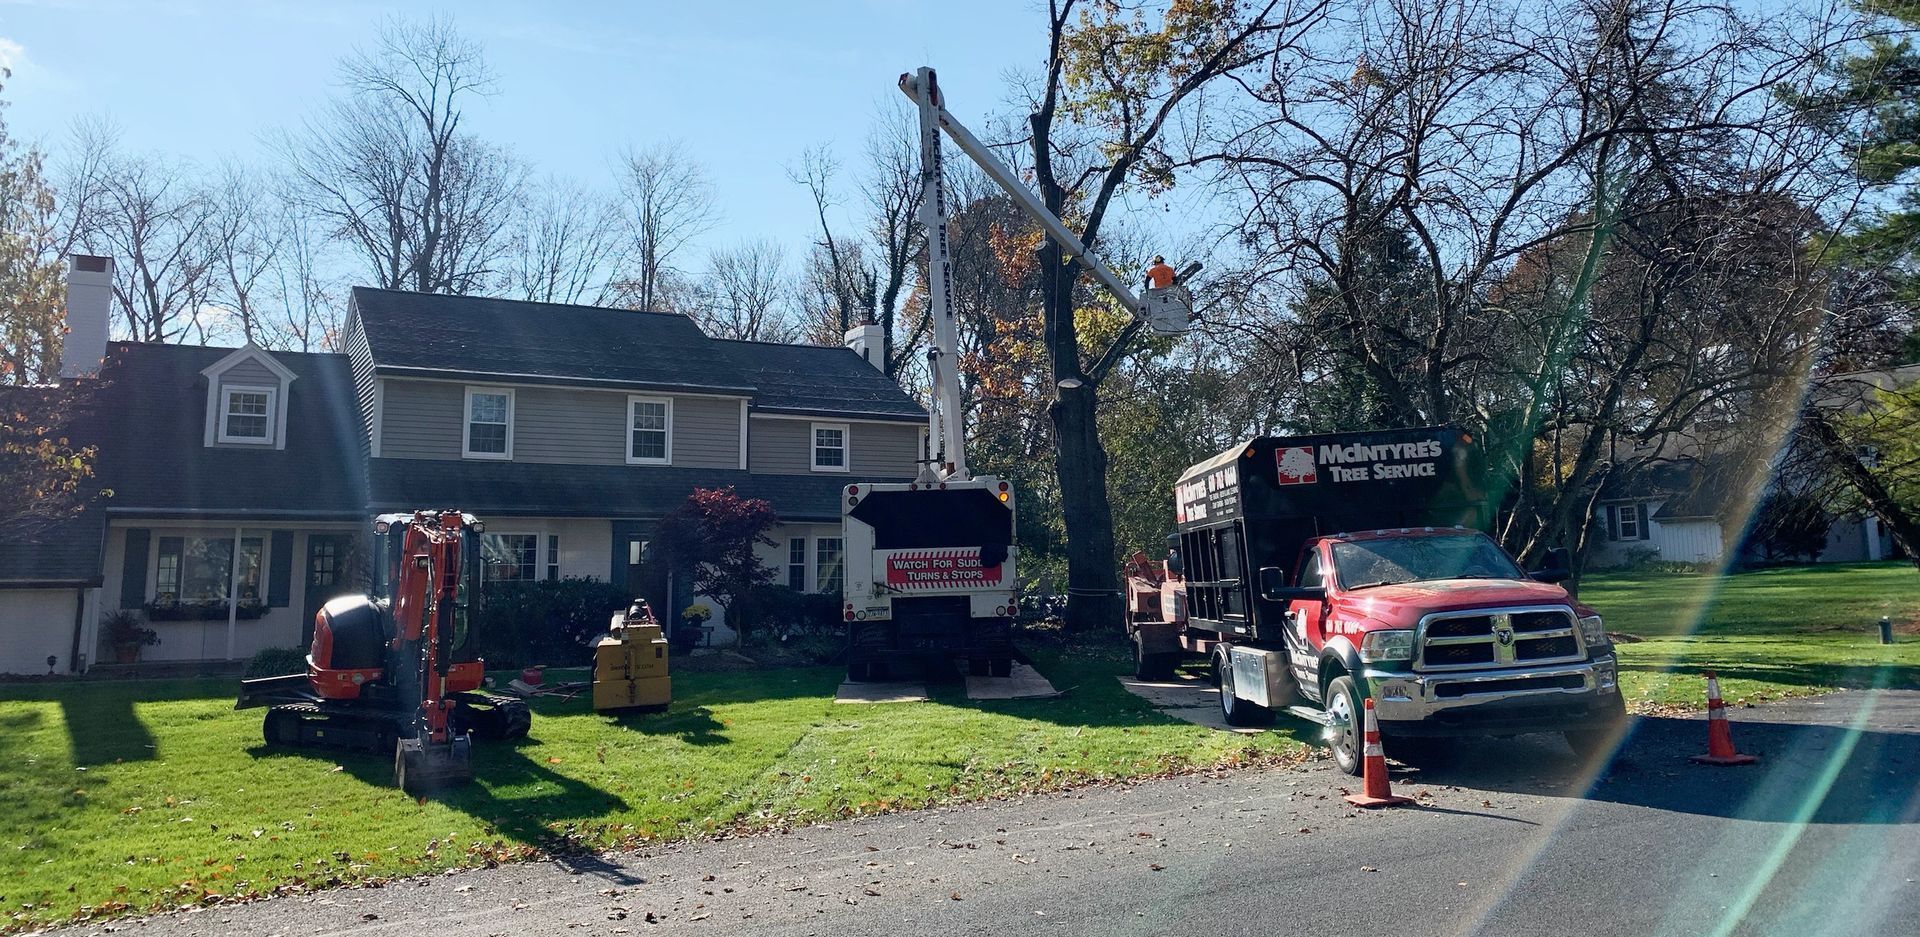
394 671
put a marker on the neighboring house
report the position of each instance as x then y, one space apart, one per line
1677 508
569 429
1668 511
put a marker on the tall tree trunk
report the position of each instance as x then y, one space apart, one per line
1080 462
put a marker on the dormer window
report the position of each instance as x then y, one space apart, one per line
247 395
246 414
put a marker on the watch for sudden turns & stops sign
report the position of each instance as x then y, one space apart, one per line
1357 462
940 569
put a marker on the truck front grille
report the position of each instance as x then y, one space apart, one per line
1498 637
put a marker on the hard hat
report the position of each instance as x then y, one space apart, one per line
1159 259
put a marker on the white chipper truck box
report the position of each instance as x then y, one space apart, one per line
929 574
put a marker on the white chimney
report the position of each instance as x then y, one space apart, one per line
89 304
868 342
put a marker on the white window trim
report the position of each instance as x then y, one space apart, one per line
539 553
216 401
806 560
634 400
466 423
1623 514
273 410
846 447
813 562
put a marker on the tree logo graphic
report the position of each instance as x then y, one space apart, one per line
1297 466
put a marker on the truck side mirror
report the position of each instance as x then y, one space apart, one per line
1174 566
1557 566
1274 588
1273 581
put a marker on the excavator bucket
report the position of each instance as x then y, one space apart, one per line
422 766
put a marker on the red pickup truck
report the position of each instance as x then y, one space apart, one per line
1316 572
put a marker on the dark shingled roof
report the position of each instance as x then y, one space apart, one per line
153 453
427 334
546 342
1688 487
819 380
492 489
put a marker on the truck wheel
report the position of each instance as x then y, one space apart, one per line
1344 730
1236 711
1151 666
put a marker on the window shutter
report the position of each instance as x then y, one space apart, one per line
133 569
1645 534
280 569
1613 521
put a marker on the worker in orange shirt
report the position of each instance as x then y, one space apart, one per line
1159 276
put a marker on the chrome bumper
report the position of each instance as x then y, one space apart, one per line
1405 696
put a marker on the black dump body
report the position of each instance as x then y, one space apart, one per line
1255 505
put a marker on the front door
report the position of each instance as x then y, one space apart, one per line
326 576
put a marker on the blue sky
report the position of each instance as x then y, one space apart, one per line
744 86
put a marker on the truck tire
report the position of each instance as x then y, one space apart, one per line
1151 666
1345 734
1236 711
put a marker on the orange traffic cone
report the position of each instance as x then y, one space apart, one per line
1378 792
1720 750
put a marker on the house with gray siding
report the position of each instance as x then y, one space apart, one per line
244 478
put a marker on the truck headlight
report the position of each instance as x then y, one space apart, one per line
1386 645
1593 631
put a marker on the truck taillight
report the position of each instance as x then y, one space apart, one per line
849 611
1003 486
853 489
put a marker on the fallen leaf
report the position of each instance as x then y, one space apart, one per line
955 896
1368 868
1157 867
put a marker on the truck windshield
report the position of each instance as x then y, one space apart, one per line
1388 561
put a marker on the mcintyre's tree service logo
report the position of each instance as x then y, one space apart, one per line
1296 465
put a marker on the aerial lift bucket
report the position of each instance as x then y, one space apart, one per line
1169 310
421 765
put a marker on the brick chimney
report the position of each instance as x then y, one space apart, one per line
868 342
89 305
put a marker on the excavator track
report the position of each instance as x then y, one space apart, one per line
315 725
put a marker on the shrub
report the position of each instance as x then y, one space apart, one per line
549 621
786 614
277 661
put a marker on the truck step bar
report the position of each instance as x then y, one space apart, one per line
1316 716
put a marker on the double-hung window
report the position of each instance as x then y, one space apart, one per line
826 563
509 557
1626 520
797 564
553 556
246 414
830 447
649 430
489 427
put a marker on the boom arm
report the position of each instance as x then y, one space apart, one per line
1165 313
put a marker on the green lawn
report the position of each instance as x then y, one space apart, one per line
148 794
136 795
1769 634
